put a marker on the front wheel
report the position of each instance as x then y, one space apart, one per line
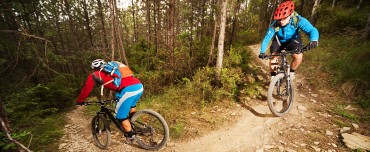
280 95
100 131
151 129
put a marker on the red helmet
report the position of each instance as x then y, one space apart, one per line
284 10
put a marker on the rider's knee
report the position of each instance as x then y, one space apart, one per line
298 56
122 120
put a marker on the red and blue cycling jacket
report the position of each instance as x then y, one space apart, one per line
104 78
290 32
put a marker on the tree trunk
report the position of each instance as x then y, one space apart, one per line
69 41
366 34
202 18
156 27
273 11
359 4
221 39
171 42
314 12
148 23
210 58
112 17
87 22
333 4
301 7
72 27
119 35
134 19
103 31
236 12
191 40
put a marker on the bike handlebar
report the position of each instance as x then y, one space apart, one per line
297 51
98 102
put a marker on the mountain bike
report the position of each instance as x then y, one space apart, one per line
150 128
281 92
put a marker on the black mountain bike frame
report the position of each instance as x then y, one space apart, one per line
284 67
106 111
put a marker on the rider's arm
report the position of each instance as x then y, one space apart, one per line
309 29
265 42
89 85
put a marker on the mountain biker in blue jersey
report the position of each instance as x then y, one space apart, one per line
285 33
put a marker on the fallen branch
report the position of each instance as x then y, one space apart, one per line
5 128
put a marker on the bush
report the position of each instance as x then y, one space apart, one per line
37 110
341 21
351 67
348 65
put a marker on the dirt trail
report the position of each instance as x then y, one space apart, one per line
256 129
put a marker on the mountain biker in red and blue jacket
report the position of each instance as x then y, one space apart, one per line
128 93
285 33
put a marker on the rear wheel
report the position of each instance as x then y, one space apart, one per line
151 129
101 132
280 96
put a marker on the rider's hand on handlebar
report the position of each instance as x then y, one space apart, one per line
312 45
262 56
83 103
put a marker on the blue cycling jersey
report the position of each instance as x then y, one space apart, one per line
290 32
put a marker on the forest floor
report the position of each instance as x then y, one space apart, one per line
310 126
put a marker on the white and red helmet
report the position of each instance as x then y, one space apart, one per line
97 63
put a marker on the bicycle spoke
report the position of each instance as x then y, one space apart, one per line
150 129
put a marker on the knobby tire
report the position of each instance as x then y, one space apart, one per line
101 132
273 99
156 132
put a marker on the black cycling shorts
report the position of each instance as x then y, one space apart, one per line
289 46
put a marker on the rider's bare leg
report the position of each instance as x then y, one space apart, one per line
273 63
132 112
297 60
126 123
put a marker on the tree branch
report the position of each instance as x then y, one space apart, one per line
5 128
24 34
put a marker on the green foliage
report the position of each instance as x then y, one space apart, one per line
249 36
348 65
46 133
364 101
195 94
36 109
177 130
201 86
153 81
41 134
340 123
341 21
5 143
339 109
44 99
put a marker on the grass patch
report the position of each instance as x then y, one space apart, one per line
177 130
340 123
346 68
339 109
44 134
